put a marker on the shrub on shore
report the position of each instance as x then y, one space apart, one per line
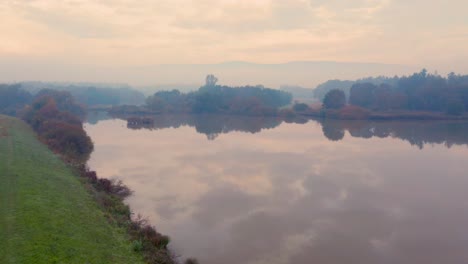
62 131
145 238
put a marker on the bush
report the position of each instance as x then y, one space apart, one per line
62 131
145 239
137 245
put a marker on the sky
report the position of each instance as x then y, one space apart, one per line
125 33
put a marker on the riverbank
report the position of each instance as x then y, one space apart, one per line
47 216
141 116
357 113
57 121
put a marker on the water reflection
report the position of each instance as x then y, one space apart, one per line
416 133
211 125
288 195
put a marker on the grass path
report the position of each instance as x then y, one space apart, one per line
46 215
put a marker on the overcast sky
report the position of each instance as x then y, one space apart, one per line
431 34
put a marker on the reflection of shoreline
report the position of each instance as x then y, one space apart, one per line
356 113
209 124
417 133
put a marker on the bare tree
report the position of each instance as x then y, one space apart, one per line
211 80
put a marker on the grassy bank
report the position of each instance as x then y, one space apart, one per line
46 215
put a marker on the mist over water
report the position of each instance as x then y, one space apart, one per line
250 190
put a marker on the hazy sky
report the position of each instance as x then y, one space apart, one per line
107 33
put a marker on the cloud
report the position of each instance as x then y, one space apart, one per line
242 17
82 25
122 32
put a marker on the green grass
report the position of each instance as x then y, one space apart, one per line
46 214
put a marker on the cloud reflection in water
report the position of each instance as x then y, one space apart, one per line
289 195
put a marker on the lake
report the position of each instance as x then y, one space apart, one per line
258 190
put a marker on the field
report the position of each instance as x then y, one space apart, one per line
46 215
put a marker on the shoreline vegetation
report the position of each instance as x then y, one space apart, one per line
56 119
420 96
141 116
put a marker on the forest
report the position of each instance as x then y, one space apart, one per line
420 91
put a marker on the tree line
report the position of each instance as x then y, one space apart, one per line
213 98
88 95
13 99
418 92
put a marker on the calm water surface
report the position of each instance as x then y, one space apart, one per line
245 190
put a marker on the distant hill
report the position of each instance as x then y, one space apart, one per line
304 74
236 73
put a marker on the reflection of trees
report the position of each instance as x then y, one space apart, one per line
212 125
416 133
332 130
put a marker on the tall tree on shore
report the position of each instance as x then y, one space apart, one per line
334 99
